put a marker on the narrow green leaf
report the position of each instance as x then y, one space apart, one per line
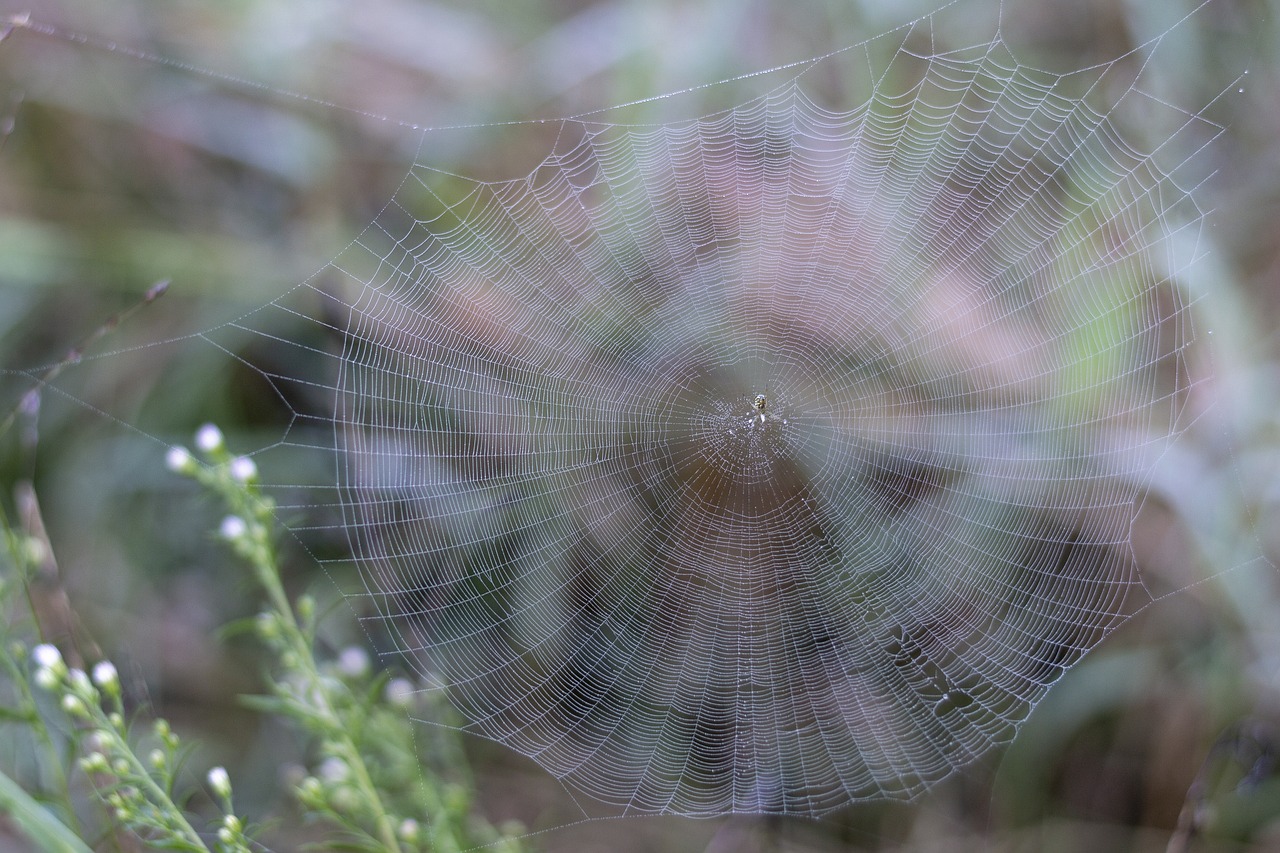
37 822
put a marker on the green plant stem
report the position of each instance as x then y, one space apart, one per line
21 562
340 738
266 569
156 794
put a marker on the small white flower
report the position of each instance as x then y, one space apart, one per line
80 681
408 830
400 692
47 655
310 790
46 678
243 469
334 769
157 758
220 782
344 799
178 459
268 625
226 836
232 823
209 438
105 675
73 705
233 527
98 741
353 662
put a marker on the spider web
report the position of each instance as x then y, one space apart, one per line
772 460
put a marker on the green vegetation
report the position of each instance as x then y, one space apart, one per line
372 788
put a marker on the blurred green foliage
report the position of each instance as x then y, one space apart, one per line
119 170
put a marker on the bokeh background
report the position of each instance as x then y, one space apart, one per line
121 167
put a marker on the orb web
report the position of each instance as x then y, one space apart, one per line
776 459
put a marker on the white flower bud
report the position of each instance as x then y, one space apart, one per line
310 790
79 681
99 741
47 655
343 798
243 469
408 831
47 679
334 769
209 438
233 527
105 676
220 782
179 459
268 625
353 662
399 692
